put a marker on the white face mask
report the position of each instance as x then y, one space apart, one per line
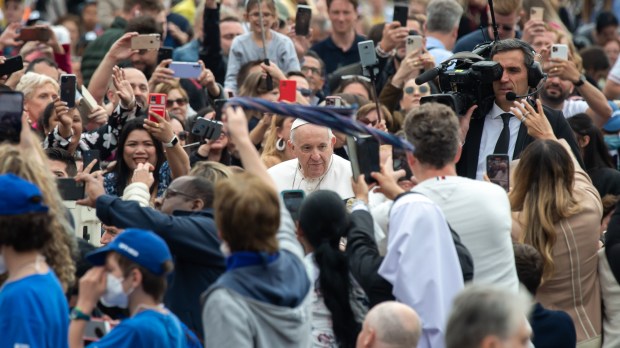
114 295
2 264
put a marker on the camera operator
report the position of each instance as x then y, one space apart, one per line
498 132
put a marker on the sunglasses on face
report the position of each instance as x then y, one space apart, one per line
169 193
180 102
420 89
306 92
368 122
306 69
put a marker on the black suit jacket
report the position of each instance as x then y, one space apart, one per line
468 163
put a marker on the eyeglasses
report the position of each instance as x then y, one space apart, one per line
420 89
183 135
257 14
306 92
169 193
306 69
180 102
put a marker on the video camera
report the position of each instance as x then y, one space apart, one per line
465 79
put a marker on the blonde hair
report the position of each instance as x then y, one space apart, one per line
31 81
247 213
210 170
30 166
543 194
269 148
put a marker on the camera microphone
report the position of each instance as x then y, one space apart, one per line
512 96
428 75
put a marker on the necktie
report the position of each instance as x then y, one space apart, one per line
501 147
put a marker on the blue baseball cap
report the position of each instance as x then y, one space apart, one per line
140 246
613 125
18 196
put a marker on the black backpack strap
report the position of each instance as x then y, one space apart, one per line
465 259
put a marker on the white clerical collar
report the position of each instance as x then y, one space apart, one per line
308 183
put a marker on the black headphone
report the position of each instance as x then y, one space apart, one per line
534 71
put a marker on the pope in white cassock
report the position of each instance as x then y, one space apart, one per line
316 167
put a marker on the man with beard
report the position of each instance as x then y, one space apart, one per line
563 78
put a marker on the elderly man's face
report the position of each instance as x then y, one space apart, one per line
313 147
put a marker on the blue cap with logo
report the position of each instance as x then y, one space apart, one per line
613 124
19 197
140 246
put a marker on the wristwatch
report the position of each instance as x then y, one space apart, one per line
77 314
581 81
172 142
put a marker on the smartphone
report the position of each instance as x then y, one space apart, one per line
368 56
89 156
11 110
35 34
186 70
96 329
70 190
292 201
559 51
288 90
157 104
498 170
218 105
209 130
401 13
88 99
414 42
146 42
302 20
399 161
164 53
537 13
333 100
11 65
364 156
68 87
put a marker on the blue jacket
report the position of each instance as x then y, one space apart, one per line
552 328
193 242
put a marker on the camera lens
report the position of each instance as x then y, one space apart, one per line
555 49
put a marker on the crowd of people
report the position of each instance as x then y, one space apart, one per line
125 226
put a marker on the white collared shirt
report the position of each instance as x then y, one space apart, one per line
493 126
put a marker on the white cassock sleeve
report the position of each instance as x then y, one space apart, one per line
422 265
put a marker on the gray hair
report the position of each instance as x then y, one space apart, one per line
485 310
443 15
31 81
330 134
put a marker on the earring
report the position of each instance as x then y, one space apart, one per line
280 144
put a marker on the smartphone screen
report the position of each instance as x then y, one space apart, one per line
399 161
70 190
288 90
292 201
302 20
68 87
498 170
11 110
333 100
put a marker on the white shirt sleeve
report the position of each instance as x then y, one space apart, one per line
422 264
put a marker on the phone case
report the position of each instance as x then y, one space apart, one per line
145 42
288 90
88 99
69 189
157 104
364 156
292 200
401 13
186 70
68 87
559 51
537 13
164 53
11 109
11 65
34 34
368 56
413 42
89 156
302 20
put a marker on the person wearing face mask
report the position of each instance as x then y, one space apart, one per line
185 221
129 273
28 317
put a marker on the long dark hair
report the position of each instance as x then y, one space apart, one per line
324 221
595 154
122 171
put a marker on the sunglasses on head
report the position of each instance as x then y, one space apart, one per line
306 92
421 89
180 102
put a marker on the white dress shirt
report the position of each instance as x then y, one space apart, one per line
493 126
422 264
